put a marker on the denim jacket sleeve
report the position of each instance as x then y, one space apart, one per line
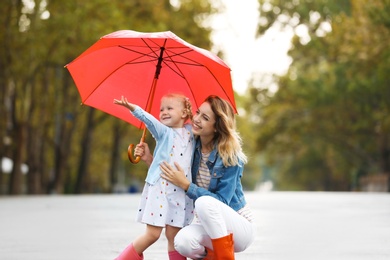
225 183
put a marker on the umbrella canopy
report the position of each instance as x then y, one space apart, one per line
145 66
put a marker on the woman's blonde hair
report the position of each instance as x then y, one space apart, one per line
226 137
186 103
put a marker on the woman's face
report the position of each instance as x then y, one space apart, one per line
204 121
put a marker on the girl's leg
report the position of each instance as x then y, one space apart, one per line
129 253
135 250
151 235
174 255
170 233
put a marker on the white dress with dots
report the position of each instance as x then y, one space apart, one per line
164 203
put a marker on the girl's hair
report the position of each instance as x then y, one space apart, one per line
227 138
186 103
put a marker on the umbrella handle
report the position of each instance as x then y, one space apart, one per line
130 154
131 147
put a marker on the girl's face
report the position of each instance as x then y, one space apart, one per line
172 112
204 121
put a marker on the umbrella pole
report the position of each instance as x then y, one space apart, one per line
131 146
149 106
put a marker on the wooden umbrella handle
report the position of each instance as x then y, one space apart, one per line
131 147
130 155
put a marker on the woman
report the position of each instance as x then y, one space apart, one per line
221 212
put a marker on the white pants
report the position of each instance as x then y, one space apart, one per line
215 220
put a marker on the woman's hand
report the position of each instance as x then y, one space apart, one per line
142 150
175 176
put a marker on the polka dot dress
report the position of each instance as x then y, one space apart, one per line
164 203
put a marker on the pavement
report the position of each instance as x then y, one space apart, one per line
290 225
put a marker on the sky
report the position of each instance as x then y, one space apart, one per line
234 31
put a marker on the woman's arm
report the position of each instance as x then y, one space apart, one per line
224 186
224 190
175 176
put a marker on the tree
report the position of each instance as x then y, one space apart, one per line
41 119
328 122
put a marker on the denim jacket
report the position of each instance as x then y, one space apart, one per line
225 182
164 141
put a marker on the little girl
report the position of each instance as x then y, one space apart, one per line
162 203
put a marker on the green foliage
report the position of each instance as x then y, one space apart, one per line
330 116
291 13
40 103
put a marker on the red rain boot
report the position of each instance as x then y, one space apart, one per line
130 254
223 248
174 255
210 254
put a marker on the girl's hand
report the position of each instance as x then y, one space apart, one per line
123 102
142 150
175 176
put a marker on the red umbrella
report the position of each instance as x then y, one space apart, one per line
143 67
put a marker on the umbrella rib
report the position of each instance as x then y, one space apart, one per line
138 62
155 56
195 63
170 54
178 71
169 58
129 62
173 54
101 82
223 89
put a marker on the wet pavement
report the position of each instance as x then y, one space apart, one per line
290 225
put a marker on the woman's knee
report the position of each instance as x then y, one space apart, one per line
206 205
181 242
186 241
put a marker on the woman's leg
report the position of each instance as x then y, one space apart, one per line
191 241
219 220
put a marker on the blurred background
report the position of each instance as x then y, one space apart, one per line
314 110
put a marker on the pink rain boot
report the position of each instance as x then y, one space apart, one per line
130 254
174 255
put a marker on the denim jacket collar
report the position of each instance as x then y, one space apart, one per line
213 154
